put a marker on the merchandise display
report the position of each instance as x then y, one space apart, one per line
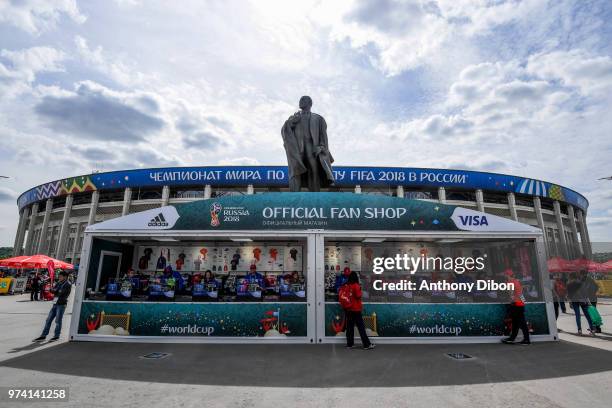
361 257
210 273
220 259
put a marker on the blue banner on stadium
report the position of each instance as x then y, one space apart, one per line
276 176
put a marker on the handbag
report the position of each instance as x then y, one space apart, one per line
594 315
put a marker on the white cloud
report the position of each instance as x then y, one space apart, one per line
412 33
574 68
25 64
98 113
239 161
502 86
110 65
128 3
19 69
519 118
6 194
36 16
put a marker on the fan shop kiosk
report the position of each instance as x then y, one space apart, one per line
267 268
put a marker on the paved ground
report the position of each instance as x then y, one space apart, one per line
569 332
576 371
22 320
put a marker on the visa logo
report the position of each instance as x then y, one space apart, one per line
473 220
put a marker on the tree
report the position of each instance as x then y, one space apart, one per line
6 252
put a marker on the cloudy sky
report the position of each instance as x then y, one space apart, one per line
522 87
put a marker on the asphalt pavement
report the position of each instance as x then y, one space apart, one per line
575 371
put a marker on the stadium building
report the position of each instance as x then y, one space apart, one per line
53 216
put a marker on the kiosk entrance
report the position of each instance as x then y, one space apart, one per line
267 268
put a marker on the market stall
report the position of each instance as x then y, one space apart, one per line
24 265
267 268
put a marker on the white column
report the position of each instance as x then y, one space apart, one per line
442 195
250 189
480 200
512 206
127 200
400 191
574 228
30 238
165 196
18 245
584 235
537 206
561 228
61 245
42 241
93 208
207 191
357 189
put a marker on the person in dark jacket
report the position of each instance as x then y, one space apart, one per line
34 287
179 282
61 290
591 289
576 293
354 316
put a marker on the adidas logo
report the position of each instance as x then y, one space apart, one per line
158 221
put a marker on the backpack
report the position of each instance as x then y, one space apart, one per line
345 297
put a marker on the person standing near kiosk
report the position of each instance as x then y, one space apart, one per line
35 287
517 312
61 290
349 296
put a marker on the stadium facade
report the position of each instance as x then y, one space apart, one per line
53 216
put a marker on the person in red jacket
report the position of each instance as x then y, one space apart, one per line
354 316
517 311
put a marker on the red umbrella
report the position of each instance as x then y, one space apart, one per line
583 264
606 266
558 264
35 262
14 262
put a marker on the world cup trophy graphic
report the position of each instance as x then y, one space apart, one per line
215 209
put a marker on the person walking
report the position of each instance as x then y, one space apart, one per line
576 293
34 287
563 293
517 311
349 296
591 288
61 290
556 296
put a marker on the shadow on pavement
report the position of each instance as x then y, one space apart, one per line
27 347
291 365
600 336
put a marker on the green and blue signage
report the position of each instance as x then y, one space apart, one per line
193 319
313 211
437 320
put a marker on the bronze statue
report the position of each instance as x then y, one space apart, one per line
308 156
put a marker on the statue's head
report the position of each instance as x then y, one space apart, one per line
305 103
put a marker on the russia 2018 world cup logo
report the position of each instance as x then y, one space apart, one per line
215 209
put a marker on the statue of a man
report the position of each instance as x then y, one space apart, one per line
308 156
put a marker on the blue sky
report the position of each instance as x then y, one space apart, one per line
521 87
